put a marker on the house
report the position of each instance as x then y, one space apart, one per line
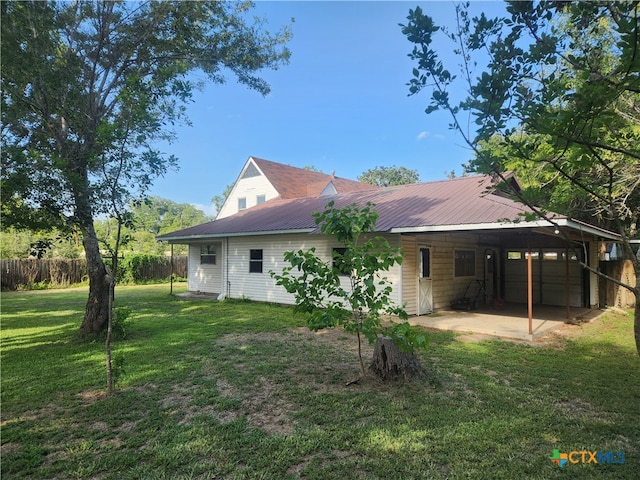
457 235
261 180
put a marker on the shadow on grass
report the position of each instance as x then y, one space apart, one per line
245 391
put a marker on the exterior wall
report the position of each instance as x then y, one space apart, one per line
260 286
410 274
248 188
446 287
205 277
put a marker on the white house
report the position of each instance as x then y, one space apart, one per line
261 180
455 234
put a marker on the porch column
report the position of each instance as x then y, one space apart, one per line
567 285
171 273
530 290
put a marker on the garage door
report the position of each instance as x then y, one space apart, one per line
549 272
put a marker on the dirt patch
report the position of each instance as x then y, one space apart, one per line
10 448
474 338
266 404
91 396
578 408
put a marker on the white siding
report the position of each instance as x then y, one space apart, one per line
248 188
205 277
260 286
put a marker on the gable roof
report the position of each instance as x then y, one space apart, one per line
294 182
467 203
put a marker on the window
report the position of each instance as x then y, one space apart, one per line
208 254
255 261
465 263
242 203
550 255
260 199
338 261
514 255
425 264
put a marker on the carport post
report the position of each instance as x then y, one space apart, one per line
567 288
530 290
171 273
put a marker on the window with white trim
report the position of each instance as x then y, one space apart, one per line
255 261
208 254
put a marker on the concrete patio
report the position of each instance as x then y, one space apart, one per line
509 322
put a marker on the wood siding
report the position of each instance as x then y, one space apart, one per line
410 275
446 287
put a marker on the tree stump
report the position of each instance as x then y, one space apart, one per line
391 363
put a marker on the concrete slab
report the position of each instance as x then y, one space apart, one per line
198 295
510 322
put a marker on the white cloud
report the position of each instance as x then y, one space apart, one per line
209 210
426 134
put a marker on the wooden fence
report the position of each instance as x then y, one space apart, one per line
26 272
612 294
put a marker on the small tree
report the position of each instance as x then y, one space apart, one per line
359 305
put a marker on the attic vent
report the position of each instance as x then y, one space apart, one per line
251 171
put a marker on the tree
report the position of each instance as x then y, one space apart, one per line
557 84
389 176
88 88
359 306
218 200
149 217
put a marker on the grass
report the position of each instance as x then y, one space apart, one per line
240 390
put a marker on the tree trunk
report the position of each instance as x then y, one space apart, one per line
391 363
97 309
636 313
636 323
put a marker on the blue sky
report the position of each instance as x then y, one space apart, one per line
340 105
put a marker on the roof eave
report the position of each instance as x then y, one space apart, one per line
185 239
562 222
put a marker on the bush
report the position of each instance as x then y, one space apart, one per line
136 268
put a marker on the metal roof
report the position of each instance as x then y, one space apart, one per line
292 182
466 203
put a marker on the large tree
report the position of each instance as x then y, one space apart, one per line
389 176
554 87
89 88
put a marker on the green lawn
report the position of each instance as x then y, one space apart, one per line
242 390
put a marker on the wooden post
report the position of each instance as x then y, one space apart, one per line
171 273
567 287
530 290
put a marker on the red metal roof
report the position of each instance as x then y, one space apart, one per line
293 182
456 202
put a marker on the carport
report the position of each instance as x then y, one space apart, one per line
506 323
